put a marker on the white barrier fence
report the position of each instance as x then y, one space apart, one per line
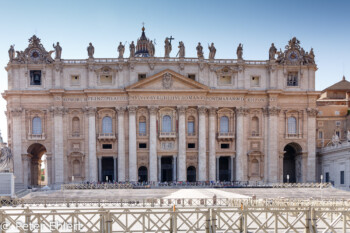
201 219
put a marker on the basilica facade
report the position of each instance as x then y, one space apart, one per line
158 119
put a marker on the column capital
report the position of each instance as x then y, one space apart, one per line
132 109
152 109
16 112
90 111
59 110
120 109
312 112
273 111
212 111
181 109
242 111
202 110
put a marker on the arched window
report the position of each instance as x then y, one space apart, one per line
76 168
224 124
142 126
255 126
190 125
166 124
255 167
292 125
107 125
76 125
36 126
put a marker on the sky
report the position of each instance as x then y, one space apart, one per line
322 25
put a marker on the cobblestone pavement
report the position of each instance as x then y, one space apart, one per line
117 194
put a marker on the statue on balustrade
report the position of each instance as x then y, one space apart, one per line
12 52
167 47
181 52
121 50
272 52
199 48
91 50
151 49
335 139
212 51
132 49
58 50
240 52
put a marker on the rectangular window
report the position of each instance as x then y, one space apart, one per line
74 80
225 146
255 81
142 145
225 80
35 77
142 128
192 76
190 128
327 177
141 76
292 79
337 113
342 177
320 134
337 123
107 146
106 79
191 145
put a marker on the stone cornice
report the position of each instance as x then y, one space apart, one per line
16 112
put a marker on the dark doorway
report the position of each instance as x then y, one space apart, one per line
36 175
224 168
167 169
143 174
107 169
191 174
289 164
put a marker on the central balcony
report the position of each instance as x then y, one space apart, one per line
36 137
226 136
167 135
107 136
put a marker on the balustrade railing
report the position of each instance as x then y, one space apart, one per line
167 134
36 136
106 136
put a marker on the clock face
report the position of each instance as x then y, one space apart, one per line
35 54
293 56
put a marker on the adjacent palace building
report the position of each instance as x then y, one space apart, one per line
157 119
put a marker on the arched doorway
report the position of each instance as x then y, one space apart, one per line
224 168
143 174
37 171
191 174
167 168
292 163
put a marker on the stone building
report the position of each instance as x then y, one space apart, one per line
146 118
333 135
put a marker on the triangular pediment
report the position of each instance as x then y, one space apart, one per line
167 80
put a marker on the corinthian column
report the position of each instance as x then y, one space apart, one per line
202 150
272 148
212 141
17 144
121 144
58 143
240 156
182 144
132 144
153 143
311 145
91 112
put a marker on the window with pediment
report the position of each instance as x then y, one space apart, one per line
293 121
224 124
166 124
37 126
225 76
107 125
190 126
106 76
142 126
225 127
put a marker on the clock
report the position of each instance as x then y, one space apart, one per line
293 56
34 54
